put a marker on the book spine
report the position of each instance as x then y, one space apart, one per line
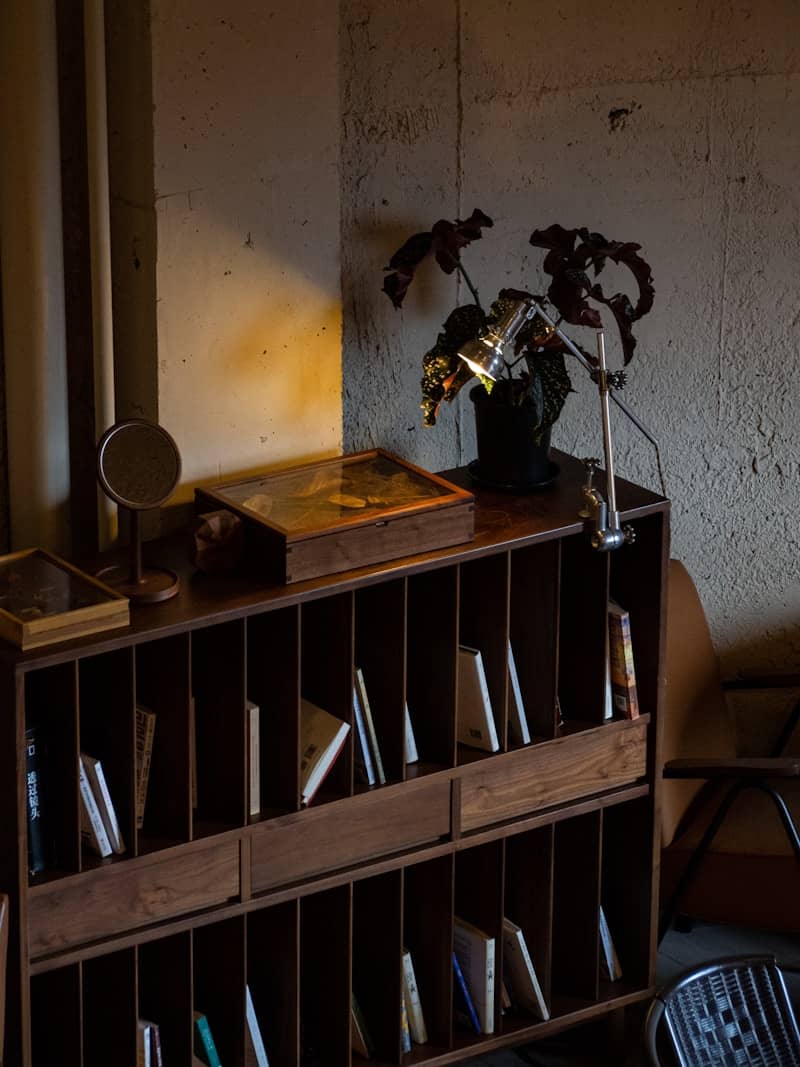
405 1029
489 989
143 1057
621 666
204 1045
97 780
255 1030
37 859
363 757
412 755
370 724
155 1045
93 831
467 1015
254 757
145 729
416 1020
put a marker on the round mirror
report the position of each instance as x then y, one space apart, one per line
138 465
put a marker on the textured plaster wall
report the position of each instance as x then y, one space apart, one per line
673 125
246 177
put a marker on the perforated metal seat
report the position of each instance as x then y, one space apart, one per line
728 1013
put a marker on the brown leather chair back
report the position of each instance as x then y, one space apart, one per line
695 720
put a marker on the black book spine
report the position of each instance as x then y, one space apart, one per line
37 859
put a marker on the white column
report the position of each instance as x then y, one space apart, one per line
33 277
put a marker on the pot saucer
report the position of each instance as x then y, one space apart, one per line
484 482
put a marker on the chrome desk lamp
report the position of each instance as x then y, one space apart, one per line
484 356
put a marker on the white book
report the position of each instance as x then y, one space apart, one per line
412 755
253 757
97 780
416 1020
254 1031
145 730
322 737
372 735
517 719
476 726
143 1044
93 832
475 952
363 755
522 975
609 961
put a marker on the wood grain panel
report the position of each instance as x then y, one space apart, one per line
339 835
131 893
553 773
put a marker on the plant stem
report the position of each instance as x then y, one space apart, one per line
460 268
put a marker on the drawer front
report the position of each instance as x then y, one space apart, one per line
128 894
554 772
338 835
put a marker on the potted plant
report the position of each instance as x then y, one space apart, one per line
515 413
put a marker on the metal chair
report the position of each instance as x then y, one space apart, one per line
728 1013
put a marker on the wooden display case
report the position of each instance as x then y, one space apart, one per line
307 906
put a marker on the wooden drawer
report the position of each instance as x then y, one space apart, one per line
554 772
343 833
130 893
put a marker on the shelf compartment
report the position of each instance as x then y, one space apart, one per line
576 909
582 631
553 772
534 625
57 1018
163 686
51 709
273 683
377 943
110 1010
273 974
219 970
218 687
327 631
165 993
432 636
380 652
479 881
325 977
134 893
337 836
529 903
428 889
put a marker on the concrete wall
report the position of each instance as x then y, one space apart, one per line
674 126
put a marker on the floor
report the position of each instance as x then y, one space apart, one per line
585 1046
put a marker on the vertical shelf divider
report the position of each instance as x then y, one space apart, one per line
428 896
534 612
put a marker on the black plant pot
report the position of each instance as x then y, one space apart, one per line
509 456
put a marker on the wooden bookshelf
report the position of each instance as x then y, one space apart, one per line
307 905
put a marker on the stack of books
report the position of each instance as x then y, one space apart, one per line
99 825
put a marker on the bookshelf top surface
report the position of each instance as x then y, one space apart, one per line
502 520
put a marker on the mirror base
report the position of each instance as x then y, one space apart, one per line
156 583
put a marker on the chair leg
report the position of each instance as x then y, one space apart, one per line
697 857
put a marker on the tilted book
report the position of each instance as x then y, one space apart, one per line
145 731
372 735
412 755
93 831
204 1047
253 758
517 719
465 1009
363 754
405 1030
360 1038
416 1020
527 992
322 737
255 1051
476 726
97 780
621 669
609 961
475 951
144 1048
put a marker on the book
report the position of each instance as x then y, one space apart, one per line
255 1040
143 1044
476 726
156 1058
93 831
412 755
405 1031
527 993
476 951
372 735
97 780
622 672
253 757
145 730
465 1009
517 719
609 961
360 1037
363 754
193 749
322 737
204 1047
37 851
416 1020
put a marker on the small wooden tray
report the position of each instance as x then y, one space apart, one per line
338 514
44 599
